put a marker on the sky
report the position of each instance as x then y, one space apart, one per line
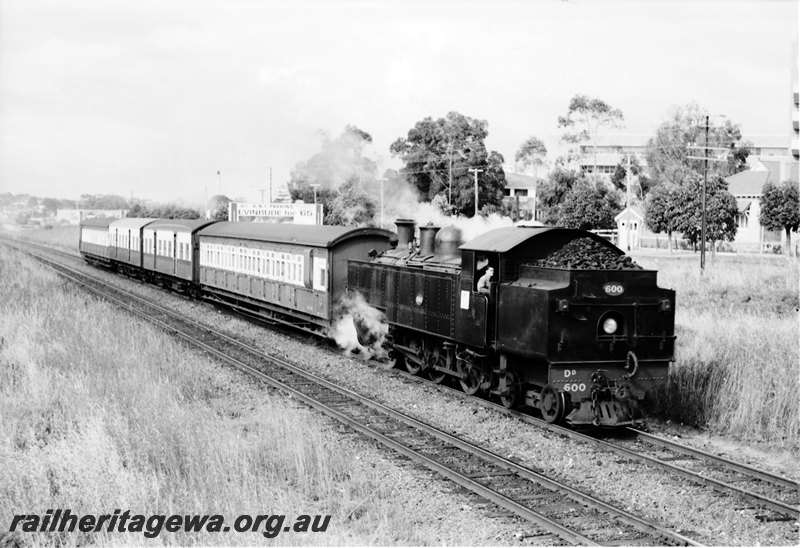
152 98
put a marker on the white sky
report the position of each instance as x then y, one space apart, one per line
152 97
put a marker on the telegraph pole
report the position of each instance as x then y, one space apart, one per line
270 184
450 178
475 172
705 158
703 206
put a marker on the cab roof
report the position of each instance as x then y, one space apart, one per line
307 235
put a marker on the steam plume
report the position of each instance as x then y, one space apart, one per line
358 317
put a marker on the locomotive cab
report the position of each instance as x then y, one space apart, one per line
581 334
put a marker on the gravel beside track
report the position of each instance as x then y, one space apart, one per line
693 511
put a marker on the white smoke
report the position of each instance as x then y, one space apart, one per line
405 204
357 316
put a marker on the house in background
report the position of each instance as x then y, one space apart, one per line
747 187
523 188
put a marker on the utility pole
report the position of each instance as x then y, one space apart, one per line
703 206
475 172
705 158
270 184
450 183
219 177
628 183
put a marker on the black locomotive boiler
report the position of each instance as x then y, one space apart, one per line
580 341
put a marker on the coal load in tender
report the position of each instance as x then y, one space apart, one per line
587 254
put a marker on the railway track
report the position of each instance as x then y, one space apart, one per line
777 496
554 510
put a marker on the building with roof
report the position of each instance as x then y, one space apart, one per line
610 153
747 187
630 224
522 188
794 140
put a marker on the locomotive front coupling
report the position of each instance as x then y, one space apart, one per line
605 394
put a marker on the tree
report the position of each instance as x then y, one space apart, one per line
552 192
586 118
668 151
589 205
437 156
218 207
340 161
351 207
662 208
721 210
51 204
780 209
531 154
638 177
171 211
103 201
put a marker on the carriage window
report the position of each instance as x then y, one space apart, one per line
320 278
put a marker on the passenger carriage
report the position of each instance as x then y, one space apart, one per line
171 250
93 241
125 244
295 274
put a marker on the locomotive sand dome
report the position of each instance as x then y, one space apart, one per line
567 325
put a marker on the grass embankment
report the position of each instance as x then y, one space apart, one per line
737 369
101 412
64 237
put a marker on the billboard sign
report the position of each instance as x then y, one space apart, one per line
301 214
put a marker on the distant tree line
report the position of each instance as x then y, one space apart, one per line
169 211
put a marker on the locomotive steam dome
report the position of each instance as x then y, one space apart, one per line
448 241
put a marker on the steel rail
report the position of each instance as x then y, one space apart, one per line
737 466
720 486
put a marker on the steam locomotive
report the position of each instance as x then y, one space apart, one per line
582 345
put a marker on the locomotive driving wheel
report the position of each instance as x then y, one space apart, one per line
552 404
510 398
411 364
471 382
434 358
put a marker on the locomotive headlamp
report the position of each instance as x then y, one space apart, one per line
665 305
563 305
610 326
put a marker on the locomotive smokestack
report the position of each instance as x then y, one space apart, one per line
405 233
427 237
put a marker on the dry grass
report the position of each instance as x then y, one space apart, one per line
101 412
64 237
737 370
